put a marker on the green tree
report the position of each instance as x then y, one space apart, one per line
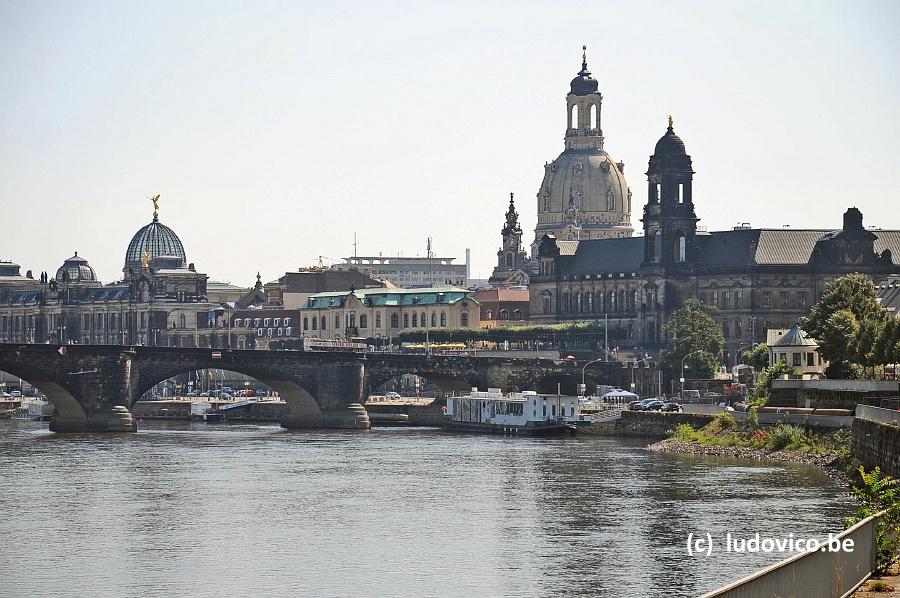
877 493
694 332
849 323
758 358
764 381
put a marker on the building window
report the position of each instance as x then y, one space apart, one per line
766 298
280 331
810 360
464 319
434 320
277 322
406 320
504 315
287 321
266 321
702 298
784 298
797 359
378 320
517 314
714 298
589 303
565 302
726 299
287 331
337 322
246 322
306 323
546 304
490 314
802 298
738 299
395 321
363 321
415 321
443 319
725 329
323 323
738 332
315 323
680 248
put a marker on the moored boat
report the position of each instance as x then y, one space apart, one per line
521 413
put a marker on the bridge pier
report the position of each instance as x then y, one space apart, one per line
115 419
352 416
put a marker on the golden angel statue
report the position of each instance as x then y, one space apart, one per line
145 260
155 200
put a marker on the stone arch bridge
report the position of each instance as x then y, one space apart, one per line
93 387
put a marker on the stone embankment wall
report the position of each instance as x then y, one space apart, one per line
654 424
876 443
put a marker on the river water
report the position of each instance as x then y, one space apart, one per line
184 509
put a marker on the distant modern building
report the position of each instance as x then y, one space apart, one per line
503 306
512 261
409 272
294 288
161 300
385 313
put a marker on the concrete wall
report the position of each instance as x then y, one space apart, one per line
653 424
833 394
877 443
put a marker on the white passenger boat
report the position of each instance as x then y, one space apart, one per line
522 413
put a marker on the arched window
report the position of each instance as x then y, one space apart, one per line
352 323
546 303
433 320
337 321
517 314
423 320
578 303
612 301
378 320
595 124
657 246
680 248
509 260
395 321
363 321
443 319
415 320
182 321
590 302
573 118
504 315
490 314
464 319
406 320
622 306
323 323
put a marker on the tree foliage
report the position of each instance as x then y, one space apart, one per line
877 493
764 381
854 332
758 358
694 332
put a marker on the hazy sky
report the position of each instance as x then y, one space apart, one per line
273 131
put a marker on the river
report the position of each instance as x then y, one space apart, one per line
183 509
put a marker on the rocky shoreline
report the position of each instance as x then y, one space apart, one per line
830 460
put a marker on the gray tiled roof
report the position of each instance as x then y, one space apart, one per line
889 293
605 255
786 246
568 247
888 239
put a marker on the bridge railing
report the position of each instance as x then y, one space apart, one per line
877 414
813 574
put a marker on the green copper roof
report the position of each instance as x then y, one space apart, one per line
795 338
389 297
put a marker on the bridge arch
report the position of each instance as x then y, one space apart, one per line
64 402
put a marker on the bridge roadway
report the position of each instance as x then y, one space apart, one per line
93 387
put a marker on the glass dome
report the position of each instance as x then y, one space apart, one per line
155 240
76 269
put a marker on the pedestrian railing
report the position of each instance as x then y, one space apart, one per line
821 573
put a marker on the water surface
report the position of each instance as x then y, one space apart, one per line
200 510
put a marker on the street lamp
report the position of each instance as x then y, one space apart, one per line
682 369
583 387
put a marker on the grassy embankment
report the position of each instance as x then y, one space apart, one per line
784 441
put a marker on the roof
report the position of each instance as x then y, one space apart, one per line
326 280
605 255
889 293
21 297
390 297
795 338
502 295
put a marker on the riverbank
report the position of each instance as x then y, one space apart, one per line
723 437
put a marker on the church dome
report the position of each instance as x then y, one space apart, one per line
669 145
156 240
76 269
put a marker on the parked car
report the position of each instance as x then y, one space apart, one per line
672 407
691 395
632 405
642 405
392 396
15 393
654 405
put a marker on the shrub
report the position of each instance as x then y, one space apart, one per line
725 420
753 418
878 493
786 436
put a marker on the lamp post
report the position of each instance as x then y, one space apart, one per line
682 369
583 387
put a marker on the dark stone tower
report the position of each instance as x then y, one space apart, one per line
512 257
670 223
